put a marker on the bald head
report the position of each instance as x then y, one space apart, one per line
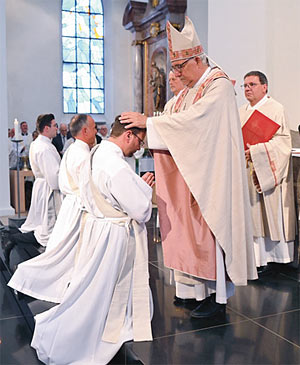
63 129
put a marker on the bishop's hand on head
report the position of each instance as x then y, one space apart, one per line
134 119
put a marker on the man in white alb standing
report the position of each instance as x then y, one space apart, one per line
46 198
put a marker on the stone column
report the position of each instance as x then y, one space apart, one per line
138 77
5 208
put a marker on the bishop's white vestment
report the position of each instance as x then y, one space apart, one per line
47 276
108 299
273 210
202 190
46 199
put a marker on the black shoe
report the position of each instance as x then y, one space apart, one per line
264 270
183 301
208 308
7 250
188 303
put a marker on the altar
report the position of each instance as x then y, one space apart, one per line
14 188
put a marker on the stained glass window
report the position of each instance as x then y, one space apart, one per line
83 56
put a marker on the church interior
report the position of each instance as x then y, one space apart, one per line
262 320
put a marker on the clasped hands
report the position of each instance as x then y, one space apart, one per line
148 177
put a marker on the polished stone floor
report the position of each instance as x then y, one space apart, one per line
261 326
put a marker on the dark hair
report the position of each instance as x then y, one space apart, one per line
262 77
77 122
24 121
299 128
34 132
44 120
118 128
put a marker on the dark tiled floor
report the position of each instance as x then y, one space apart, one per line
261 326
15 334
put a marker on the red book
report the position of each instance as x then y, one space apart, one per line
258 129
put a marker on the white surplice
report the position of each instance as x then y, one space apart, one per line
27 140
46 276
46 198
273 210
12 154
71 167
98 312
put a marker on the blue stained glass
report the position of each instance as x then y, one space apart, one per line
97 51
83 50
96 6
97 26
68 23
69 74
69 54
83 75
97 77
97 97
83 56
83 104
83 26
83 5
70 100
68 5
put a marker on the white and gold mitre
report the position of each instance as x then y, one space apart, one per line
184 44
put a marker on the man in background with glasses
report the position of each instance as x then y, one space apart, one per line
202 193
270 179
61 138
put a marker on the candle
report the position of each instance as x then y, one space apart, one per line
16 126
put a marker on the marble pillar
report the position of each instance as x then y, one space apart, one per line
5 208
138 77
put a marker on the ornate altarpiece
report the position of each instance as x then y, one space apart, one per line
147 22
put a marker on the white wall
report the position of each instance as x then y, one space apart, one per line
33 59
263 35
118 61
5 208
35 63
197 11
283 55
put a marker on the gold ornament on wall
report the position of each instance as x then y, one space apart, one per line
155 3
154 29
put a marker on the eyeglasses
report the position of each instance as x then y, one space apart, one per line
180 66
250 85
142 143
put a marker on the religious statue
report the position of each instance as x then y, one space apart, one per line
158 83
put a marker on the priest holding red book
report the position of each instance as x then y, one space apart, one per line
267 142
